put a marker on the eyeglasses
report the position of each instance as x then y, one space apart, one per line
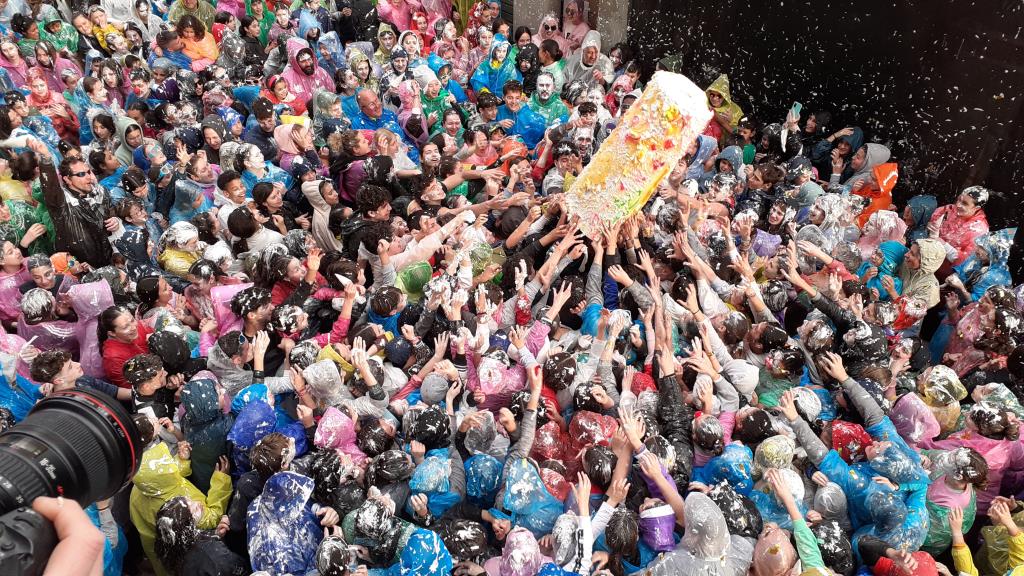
82 173
242 340
550 28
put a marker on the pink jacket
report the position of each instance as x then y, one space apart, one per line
337 432
10 295
400 15
1003 456
300 84
498 382
960 232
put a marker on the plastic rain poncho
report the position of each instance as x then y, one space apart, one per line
741 514
431 479
707 548
520 557
161 477
336 431
773 554
483 475
283 531
914 420
424 553
527 499
734 465
205 426
942 391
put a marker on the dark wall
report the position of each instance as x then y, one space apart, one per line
939 81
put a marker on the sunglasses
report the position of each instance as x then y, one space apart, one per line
550 28
82 173
242 340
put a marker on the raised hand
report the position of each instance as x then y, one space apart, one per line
833 365
787 406
617 491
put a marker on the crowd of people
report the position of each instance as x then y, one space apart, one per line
323 254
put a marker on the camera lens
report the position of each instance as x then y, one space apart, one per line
77 444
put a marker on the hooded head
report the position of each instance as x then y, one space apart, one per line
389 467
432 428
201 401
891 461
940 386
324 381
774 555
919 211
465 539
373 519
836 550
741 513
932 255
657 524
775 452
483 472
850 440
590 48
301 56
521 555
914 421
479 438
159 473
706 534
721 87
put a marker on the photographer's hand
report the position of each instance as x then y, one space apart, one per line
79 550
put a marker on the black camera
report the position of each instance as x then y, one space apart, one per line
78 444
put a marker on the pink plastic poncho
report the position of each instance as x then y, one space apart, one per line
10 296
914 421
960 232
336 431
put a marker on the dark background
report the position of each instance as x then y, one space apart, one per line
941 82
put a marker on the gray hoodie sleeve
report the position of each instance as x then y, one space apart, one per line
710 303
594 293
373 403
278 384
727 394
604 370
865 404
508 308
521 449
642 295
458 476
815 448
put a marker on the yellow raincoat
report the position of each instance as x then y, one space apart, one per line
721 86
162 477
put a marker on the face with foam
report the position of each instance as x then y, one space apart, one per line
545 87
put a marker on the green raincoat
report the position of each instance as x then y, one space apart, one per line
265 24
65 39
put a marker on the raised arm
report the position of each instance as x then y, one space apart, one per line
651 468
865 404
805 437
